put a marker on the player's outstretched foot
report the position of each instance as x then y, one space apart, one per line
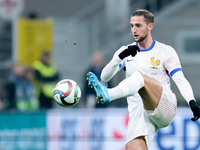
100 89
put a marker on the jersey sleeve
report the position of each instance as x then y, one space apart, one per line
183 86
172 63
113 66
173 66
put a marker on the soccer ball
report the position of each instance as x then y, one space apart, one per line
67 93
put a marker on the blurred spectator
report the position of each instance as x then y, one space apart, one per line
96 67
19 90
46 77
1 100
32 99
32 15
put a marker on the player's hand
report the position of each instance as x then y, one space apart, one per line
195 109
131 50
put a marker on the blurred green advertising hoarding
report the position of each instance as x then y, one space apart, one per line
95 129
23 131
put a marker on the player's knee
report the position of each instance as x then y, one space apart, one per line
138 75
131 85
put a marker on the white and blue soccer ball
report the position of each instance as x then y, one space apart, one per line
67 93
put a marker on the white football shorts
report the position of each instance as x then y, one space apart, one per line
146 122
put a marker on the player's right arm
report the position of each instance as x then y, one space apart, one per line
113 66
116 63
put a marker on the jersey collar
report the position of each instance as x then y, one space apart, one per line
148 49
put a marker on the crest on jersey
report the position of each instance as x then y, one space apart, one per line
155 63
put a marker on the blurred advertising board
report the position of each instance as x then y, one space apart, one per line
33 37
97 129
22 131
105 129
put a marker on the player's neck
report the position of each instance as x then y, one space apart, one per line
146 43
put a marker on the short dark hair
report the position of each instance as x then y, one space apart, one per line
148 16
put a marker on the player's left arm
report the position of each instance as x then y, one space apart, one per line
173 65
187 92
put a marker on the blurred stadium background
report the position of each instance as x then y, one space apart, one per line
94 25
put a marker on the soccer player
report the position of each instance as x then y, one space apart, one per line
149 66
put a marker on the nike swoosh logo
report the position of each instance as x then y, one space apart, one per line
128 60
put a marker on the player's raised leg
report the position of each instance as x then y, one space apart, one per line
149 89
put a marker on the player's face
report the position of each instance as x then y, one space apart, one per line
139 28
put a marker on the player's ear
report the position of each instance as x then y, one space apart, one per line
150 26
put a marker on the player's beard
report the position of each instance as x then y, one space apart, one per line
142 38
